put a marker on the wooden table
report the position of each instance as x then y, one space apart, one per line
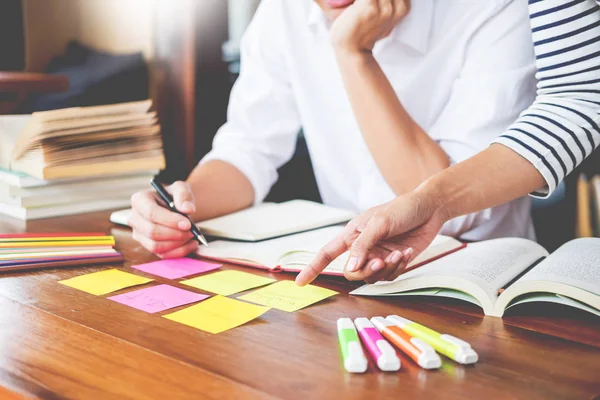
57 342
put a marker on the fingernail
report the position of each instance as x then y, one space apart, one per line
183 224
188 206
377 265
352 264
396 255
408 252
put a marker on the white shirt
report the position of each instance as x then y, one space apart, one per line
463 70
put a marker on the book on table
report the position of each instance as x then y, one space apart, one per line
77 160
87 141
500 274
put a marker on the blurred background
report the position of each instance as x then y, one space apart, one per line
184 55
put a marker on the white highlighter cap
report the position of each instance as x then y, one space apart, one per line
356 362
428 359
388 360
465 353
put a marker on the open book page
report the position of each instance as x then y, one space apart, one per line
269 253
271 220
571 271
479 270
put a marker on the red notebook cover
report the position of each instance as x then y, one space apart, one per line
278 268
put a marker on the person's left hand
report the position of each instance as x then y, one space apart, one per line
365 22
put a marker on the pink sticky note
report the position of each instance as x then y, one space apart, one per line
158 298
176 267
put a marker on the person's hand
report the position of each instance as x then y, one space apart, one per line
158 229
383 240
365 22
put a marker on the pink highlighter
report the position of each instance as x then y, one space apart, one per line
380 349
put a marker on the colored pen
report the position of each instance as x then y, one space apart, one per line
454 348
380 349
422 353
352 352
166 197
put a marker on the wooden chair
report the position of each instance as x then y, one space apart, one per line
15 87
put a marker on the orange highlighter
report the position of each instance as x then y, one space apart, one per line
422 353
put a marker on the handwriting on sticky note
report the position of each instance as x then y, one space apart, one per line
217 314
286 296
158 298
104 282
177 267
228 282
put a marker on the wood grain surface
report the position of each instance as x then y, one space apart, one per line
57 342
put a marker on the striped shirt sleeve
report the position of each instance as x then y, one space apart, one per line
561 128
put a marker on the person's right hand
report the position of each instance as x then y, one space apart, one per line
383 240
158 229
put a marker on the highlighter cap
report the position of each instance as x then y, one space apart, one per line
380 323
428 359
396 320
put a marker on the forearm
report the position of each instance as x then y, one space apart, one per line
219 188
495 176
404 153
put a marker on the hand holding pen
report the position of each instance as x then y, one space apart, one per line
159 229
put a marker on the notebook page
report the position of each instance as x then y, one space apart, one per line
269 253
576 263
272 220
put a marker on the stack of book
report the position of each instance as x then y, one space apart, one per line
588 207
77 160
32 251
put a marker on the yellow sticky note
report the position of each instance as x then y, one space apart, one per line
103 282
217 314
286 296
228 282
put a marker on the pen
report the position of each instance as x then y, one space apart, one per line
421 353
166 197
352 352
454 348
380 349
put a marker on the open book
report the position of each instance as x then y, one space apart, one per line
502 273
84 141
294 252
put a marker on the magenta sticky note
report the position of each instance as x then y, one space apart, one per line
158 298
175 268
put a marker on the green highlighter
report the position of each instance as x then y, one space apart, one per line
454 348
352 353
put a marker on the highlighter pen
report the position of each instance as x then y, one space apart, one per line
352 352
454 348
166 197
380 349
421 353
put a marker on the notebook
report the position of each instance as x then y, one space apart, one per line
503 273
265 221
294 252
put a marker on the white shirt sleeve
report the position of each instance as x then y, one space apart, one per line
496 83
262 120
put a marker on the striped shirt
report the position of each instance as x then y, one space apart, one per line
561 128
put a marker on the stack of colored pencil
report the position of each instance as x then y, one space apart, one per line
36 251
